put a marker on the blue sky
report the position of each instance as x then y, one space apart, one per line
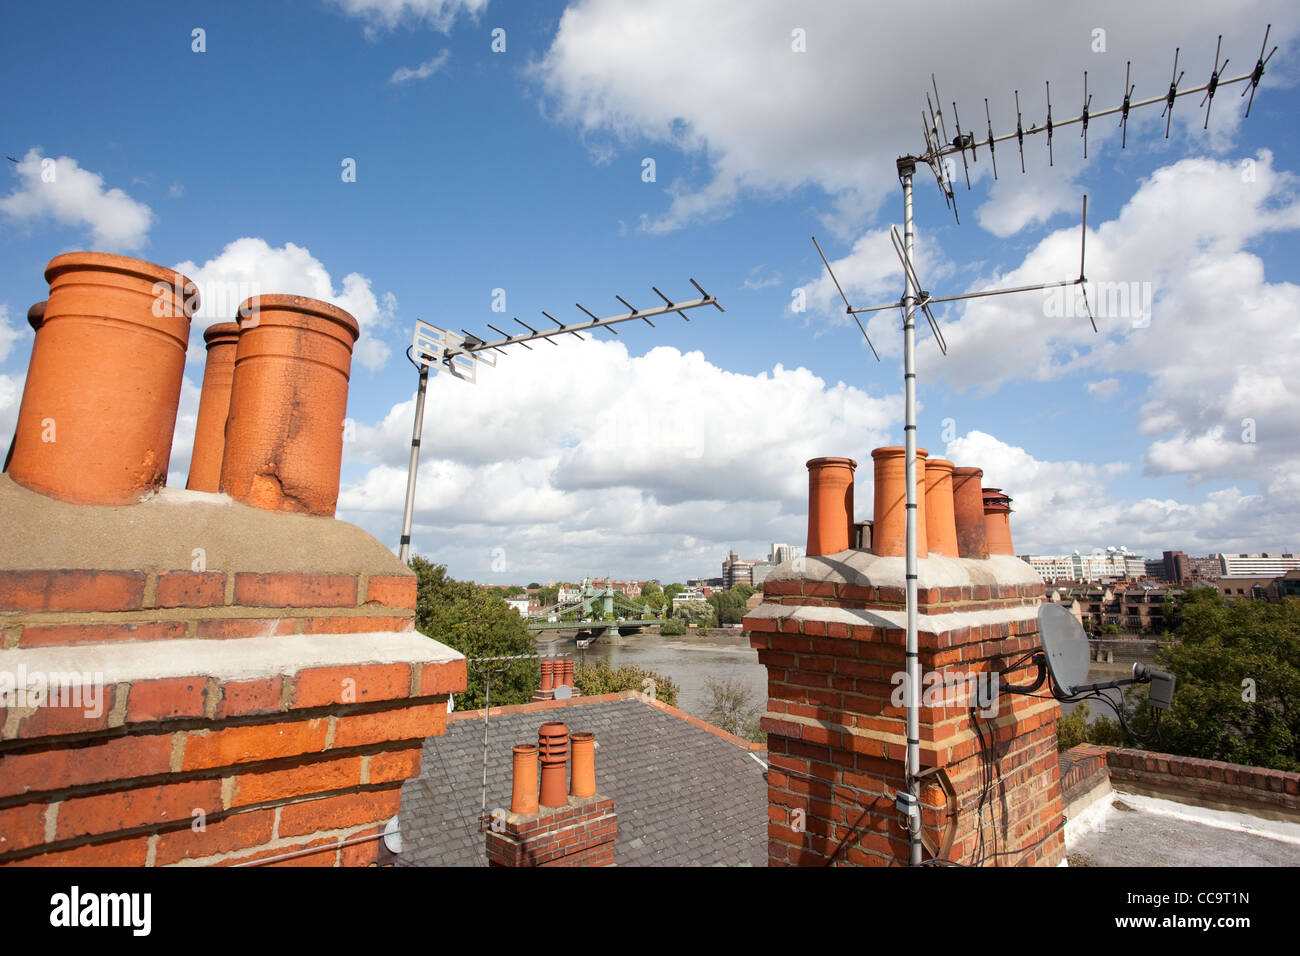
656 452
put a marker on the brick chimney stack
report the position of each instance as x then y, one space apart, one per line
831 632
574 830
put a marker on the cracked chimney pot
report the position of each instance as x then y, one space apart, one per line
889 521
830 505
968 510
583 783
288 399
104 384
997 521
214 406
523 799
553 746
940 521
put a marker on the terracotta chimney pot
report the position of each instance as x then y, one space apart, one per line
968 509
583 783
523 799
99 405
830 505
568 672
553 745
940 521
214 406
889 527
288 399
548 674
997 521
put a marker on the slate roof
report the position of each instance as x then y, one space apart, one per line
684 796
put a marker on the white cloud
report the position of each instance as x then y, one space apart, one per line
405 74
758 280
1105 389
60 191
670 446
10 333
383 15
175 191
249 266
724 83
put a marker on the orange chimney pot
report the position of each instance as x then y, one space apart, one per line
104 384
889 521
548 675
968 509
288 399
523 799
997 521
583 783
214 405
830 505
940 519
553 746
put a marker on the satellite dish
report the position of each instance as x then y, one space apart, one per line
1065 646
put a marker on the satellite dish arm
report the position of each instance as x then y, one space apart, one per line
1041 661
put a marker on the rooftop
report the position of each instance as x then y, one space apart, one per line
686 794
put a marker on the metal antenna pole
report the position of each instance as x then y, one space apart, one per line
906 168
404 551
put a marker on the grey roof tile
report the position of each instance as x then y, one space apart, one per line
683 796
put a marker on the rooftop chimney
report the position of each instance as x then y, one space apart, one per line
576 830
104 383
553 746
830 505
284 436
997 521
889 529
940 522
214 406
968 508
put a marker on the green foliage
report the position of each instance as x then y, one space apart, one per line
598 677
652 596
671 591
477 622
696 612
729 606
1237 698
548 596
673 627
732 709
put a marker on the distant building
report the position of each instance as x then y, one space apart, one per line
782 553
1245 588
1207 568
519 604
1247 565
697 583
760 571
735 571
1113 564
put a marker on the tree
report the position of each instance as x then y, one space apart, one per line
598 677
673 627
729 606
548 596
672 591
732 709
652 596
479 623
695 612
1237 697
533 586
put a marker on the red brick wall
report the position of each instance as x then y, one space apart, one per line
1206 780
201 768
579 834
71 606
837 741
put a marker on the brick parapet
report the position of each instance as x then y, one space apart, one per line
581 833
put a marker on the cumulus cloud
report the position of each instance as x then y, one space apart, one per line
668 447
1105 389
61 192
730 86
404 74
1061 506
385 15
250 266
